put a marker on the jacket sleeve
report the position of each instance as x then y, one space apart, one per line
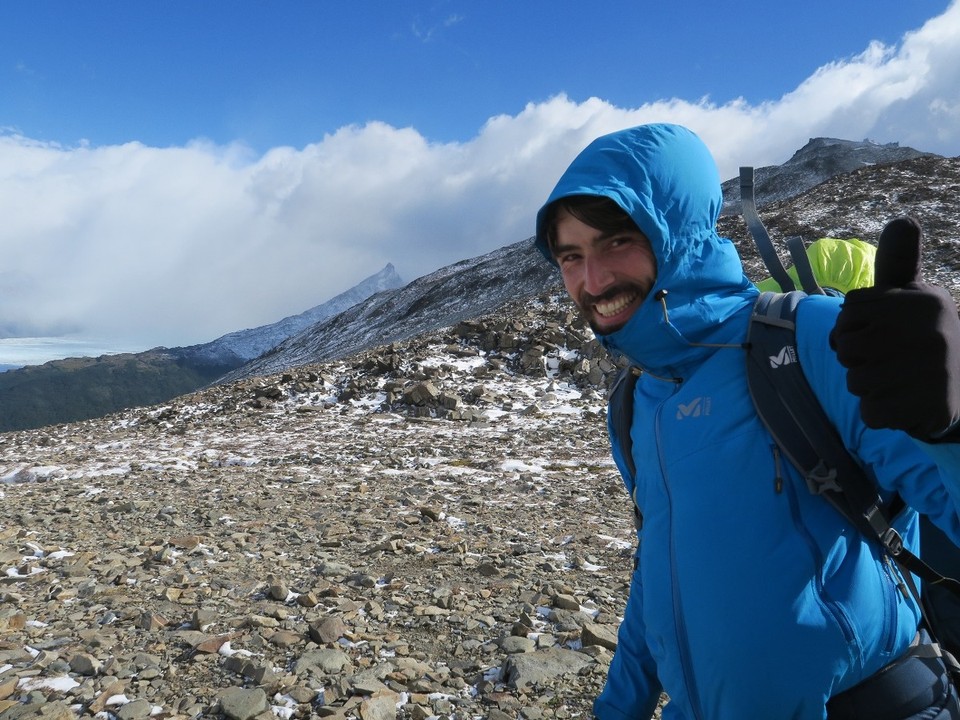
926 476
632 689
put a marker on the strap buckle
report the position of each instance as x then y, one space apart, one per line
822 479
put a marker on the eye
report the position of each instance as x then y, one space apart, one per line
620 240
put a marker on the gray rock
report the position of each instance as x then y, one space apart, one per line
542 666
602 635
240 704
328 630
134 710
326 660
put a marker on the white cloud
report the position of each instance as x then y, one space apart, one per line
180 245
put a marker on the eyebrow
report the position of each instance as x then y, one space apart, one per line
557 248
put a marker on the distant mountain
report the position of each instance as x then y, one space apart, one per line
849 204
819 160
454 293
238 347
81 388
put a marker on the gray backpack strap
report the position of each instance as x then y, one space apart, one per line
801 263
620 412
788 407
759 233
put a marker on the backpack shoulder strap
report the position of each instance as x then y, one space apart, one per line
788 407
801 263
759 233
620 409
801 429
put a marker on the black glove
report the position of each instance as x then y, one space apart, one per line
900 343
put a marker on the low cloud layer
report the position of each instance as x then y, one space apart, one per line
173 246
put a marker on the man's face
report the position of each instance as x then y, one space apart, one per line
607 275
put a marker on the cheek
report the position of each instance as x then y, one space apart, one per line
572 283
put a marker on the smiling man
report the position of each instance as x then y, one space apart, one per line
751 597
607 264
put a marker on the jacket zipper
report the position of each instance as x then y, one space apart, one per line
777 470
683 646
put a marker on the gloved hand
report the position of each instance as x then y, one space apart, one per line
900 343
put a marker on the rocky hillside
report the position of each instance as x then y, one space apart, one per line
816 162
464 290
858 204
430 529
478 285
91 387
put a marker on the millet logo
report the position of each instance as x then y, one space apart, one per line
786 356
695 408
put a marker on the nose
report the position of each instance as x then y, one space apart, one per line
598 275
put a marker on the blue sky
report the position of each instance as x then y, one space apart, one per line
172 171
285 73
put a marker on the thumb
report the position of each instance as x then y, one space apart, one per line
898 254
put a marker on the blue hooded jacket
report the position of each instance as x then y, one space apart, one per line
751 597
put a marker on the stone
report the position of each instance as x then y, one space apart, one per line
535 668
594 634
134 710
85 664
242 704
381 706
328 630
326 660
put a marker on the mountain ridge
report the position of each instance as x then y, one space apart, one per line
818 196
518 270
819 160
75 389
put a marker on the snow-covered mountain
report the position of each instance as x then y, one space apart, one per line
817 161
457 292
243 345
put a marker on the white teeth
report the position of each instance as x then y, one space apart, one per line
606 309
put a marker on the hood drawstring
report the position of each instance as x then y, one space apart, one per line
661 297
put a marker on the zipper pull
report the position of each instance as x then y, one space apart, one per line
777 470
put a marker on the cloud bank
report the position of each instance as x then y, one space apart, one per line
174 246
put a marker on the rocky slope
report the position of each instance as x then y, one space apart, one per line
464 290
65 391
816 162
431 529
476 286
859 203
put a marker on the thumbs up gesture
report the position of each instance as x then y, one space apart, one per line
900 343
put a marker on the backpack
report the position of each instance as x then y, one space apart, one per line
789 409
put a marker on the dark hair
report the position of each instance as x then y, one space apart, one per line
596 211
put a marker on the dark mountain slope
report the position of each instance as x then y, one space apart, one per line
817 161
81 388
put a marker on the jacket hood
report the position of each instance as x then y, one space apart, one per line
664 177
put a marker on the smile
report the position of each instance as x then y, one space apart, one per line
610 308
